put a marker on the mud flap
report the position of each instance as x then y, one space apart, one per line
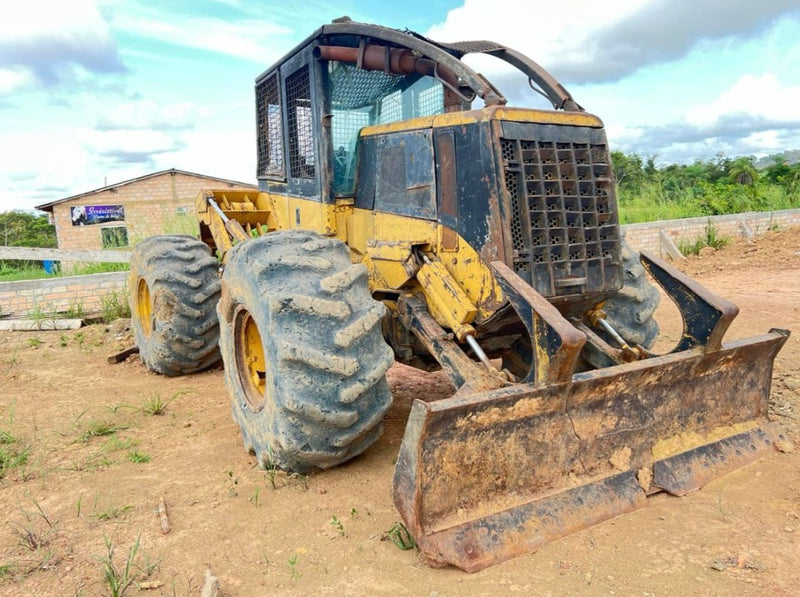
485 477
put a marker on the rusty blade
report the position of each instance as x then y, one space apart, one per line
484 477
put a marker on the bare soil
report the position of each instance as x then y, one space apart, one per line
265 532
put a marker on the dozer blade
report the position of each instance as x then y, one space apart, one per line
488 476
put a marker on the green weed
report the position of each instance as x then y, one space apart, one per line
232 482
100 429
75 310
156 405
400 536
337 524
34 342
107 511
710 238
63 340
254 498
114 305
118 578
292 561
36 531
138 457
13 453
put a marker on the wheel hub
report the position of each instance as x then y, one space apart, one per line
144 307
250 361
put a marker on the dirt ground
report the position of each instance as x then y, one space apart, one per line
98 465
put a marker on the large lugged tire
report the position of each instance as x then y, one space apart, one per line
305 360
630 311
173 289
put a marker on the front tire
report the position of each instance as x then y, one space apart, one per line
305 360
173 292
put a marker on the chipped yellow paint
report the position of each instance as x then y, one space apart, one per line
383 242
686 441
447 302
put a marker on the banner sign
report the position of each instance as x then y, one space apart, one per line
83 215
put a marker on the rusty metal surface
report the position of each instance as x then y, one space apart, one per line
465 374
706 316
478 464
556 342
691 470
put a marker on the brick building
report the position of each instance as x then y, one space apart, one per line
121 214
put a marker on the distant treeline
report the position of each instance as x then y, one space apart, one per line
723 185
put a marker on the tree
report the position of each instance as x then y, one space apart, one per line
743 171
23 229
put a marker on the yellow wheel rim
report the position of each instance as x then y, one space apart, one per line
144 306
250 361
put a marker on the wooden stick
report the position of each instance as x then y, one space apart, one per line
122 355
162 515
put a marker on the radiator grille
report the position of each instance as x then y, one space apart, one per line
564 224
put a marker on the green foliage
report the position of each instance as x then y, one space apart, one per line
710 238
400 536
114 305
138 457
712 187
156 405
23 229
118 578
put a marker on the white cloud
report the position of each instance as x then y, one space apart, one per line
14 79
755 95
49 40
252 39
590 41
147 114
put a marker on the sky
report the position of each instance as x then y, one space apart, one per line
95 92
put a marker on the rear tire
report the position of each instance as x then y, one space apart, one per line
173 291
305 360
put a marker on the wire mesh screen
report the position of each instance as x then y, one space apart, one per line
301 129
352 87
270 128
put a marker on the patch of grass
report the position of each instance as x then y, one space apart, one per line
400 536
337 524
100 429
292 561
107 511
13 453
232 482
120 578
75 310
34 342
63 340
138 457
710 238
6 570
36 530
114 305
156 405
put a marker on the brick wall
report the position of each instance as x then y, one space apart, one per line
645 236
61 294
155 205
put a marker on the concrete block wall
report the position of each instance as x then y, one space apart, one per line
61 294
645 236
